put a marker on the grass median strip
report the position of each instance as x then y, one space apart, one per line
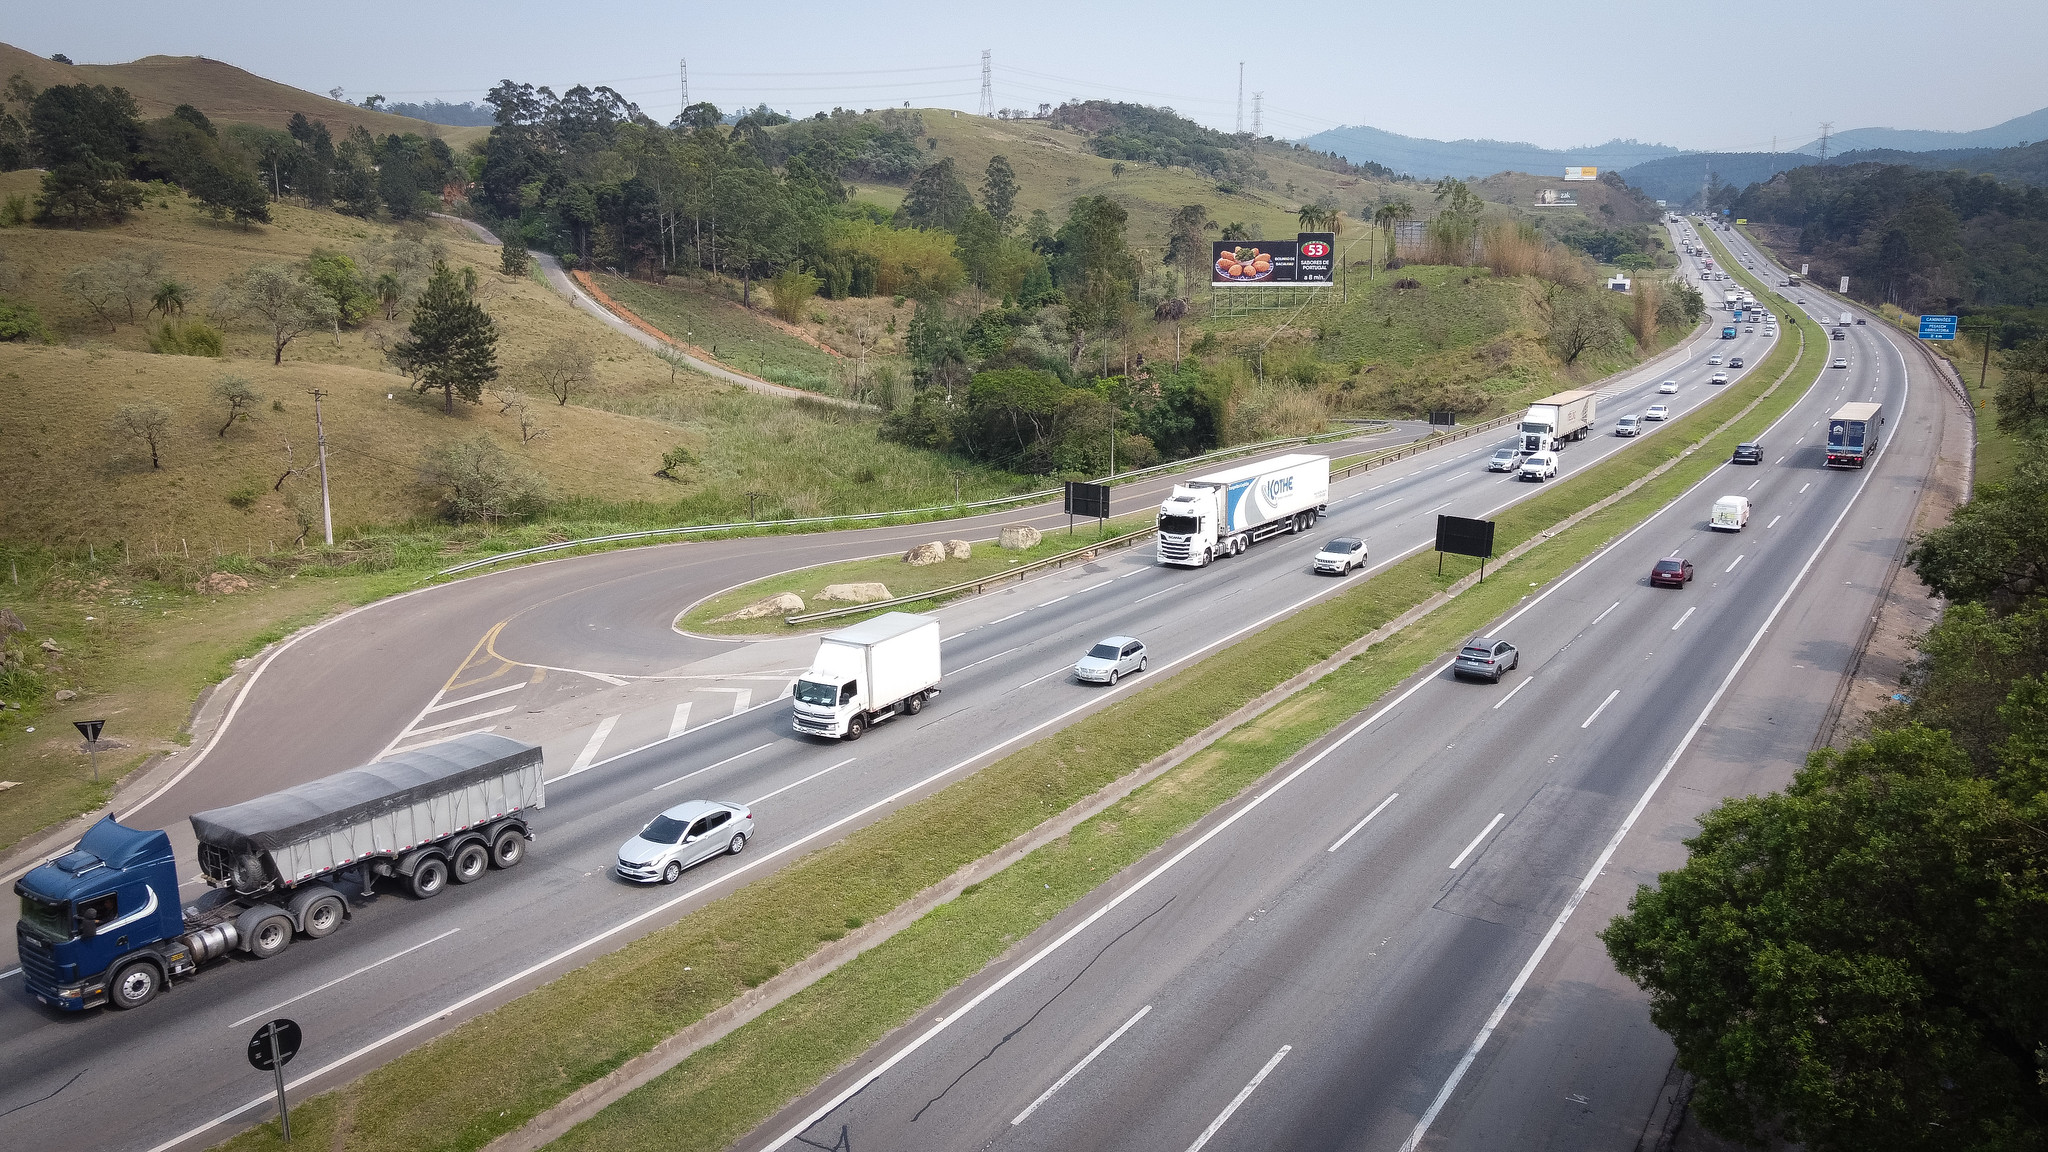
461 1090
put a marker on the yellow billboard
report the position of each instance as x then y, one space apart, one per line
1587 173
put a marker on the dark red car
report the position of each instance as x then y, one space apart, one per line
1672 573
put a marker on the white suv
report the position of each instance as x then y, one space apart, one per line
1539 466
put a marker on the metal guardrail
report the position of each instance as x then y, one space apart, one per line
1078 555
860 517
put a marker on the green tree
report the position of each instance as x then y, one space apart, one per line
452 345
2022 396
1389 213
999 192
339 277
239 395
283 298
512 258
1187 245
938 198
1994 549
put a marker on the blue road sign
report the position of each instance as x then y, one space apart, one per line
1937 327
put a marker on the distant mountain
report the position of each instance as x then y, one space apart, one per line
1680 178
1429 159
2018 130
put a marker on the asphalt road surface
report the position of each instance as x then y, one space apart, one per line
171 1075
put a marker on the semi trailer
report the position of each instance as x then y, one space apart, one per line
1224 513
1555 419
1852 434
863 675
102 924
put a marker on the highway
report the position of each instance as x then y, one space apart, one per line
1375 948
171 1074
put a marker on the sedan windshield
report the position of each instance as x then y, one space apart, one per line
1105 652
662 830
812 692
50 919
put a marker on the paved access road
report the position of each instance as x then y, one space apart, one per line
400 973
1313 965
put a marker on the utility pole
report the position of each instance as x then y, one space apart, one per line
326 509
988 92
1258 113
1240 97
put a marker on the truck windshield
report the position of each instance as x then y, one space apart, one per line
812 692
1532 427
50 919
1180 525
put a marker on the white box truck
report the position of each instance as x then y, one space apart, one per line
1224 513
1555 419
863 675
1844 321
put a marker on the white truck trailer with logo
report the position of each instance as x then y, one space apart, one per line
1555 419
1224 513
863 675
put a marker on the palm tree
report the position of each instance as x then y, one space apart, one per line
1387 215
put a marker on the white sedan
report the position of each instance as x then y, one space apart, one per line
1668 388
1656 412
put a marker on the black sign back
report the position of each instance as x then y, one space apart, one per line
1462 537
90 729
287 1035
1090 500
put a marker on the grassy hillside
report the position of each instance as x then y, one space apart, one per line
222 91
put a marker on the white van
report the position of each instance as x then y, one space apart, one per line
1731 513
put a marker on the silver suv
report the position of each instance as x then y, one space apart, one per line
1486 656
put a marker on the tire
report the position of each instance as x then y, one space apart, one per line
1112 677
673 872
273 934
134 985
914 705
738 844
471 861
855 727
322 917
1142 661
429 877
508 849
1208 557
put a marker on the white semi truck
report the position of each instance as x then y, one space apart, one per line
863 675
1555 419
1224 513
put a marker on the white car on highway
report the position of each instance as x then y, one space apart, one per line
1840 362
1341 556
1656 412
689 833
1539 466
1628 426
1720 378
1667 388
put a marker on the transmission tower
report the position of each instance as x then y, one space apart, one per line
988 92
1240 97
1825 129
1258 116
684 64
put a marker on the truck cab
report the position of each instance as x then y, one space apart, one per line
90 917
871 672
1728 333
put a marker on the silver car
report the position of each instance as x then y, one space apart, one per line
1504 460
1487 656
689 833
1112 658
1340 556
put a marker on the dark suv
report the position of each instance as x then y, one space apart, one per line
1748 454
1671 573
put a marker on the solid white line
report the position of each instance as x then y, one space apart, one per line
1076 1069
1683 617
1616 692
1367 820
985 659
1497 818
805 780
452 723
339 979
1774 522
441 739
1731 566
1161 592
10 972
1242 1095
475 698
1507 1001
1596 620
680 723
709 767
590 747
1522 685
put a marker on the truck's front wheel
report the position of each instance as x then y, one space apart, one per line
135 985
856 726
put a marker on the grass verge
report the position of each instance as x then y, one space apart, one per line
458 1092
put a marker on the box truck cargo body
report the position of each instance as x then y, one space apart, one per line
1852 434
1224 513
863 675
1553 420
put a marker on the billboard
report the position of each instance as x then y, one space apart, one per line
1309 258
1464 537
1937 327
1587 173
1091 500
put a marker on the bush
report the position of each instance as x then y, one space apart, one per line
187 338
22 322
476 480
791 290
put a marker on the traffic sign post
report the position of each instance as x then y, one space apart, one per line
1937 327
270 1049
90 729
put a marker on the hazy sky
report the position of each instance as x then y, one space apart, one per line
1709 76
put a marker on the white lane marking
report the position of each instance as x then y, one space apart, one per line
709 767
1047 676
1006 619
441 739
741 697
1617 691
1051 602
1161 592
10 972
452 723
1137 572
350 976
1683 617
1243 1094
1804 487
1377 487
1507 1000
1596 620
1522 685
605 677
1389 504
680 722
1368 818
1483 833
1733 563
596 741
1774 522
1440 507
1076 1069
986 659
1753 484
473 699
1781 460
1093 587
805 780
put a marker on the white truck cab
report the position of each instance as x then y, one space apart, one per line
863 675
1224 513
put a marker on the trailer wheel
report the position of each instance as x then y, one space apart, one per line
914 705
134 985
856 726
273 934
509 848
429 876
472 860
321 917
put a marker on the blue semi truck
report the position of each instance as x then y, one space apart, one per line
103 923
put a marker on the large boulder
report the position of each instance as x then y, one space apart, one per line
958 550
1018 537
866 592
930 552
780 604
